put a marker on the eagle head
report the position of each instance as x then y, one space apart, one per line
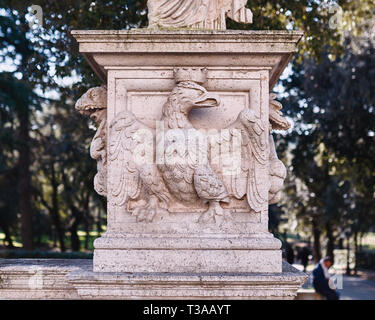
190 95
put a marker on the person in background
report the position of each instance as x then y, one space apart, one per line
321 279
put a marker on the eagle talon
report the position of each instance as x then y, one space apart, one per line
215 212
149 211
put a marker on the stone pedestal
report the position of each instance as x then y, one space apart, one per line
238 286
172 253
178 253
55 279
186 160
138 68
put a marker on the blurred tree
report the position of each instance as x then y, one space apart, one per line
333 141
48 176
8 202
324 23
19 101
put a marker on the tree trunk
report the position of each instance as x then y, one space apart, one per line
102 208
25 182
38 239
74 238
55 209
87 231
87 220
360 242
99 222
348 271
54 240
331 241
316 246
75 213
355 252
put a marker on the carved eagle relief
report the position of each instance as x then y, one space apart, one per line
186 172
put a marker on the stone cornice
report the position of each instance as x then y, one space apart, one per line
233 47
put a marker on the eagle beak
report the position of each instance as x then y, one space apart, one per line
209 100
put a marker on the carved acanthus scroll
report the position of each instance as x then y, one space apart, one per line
277 169
197 14
94 104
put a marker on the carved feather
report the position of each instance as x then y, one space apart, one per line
209 186
124 176
251 179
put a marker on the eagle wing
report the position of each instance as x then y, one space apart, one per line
247 160
255 156
124 172
209 186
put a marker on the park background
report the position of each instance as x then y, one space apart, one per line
48 207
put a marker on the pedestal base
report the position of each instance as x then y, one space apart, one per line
259 253
74 279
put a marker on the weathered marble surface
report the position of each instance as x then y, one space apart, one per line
55 279
186 229
108 50
161 219
22 279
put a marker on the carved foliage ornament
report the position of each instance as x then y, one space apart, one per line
191 177
196 14
94 104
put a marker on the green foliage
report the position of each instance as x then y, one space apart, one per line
56 140
313 18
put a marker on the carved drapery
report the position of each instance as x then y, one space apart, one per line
197 14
